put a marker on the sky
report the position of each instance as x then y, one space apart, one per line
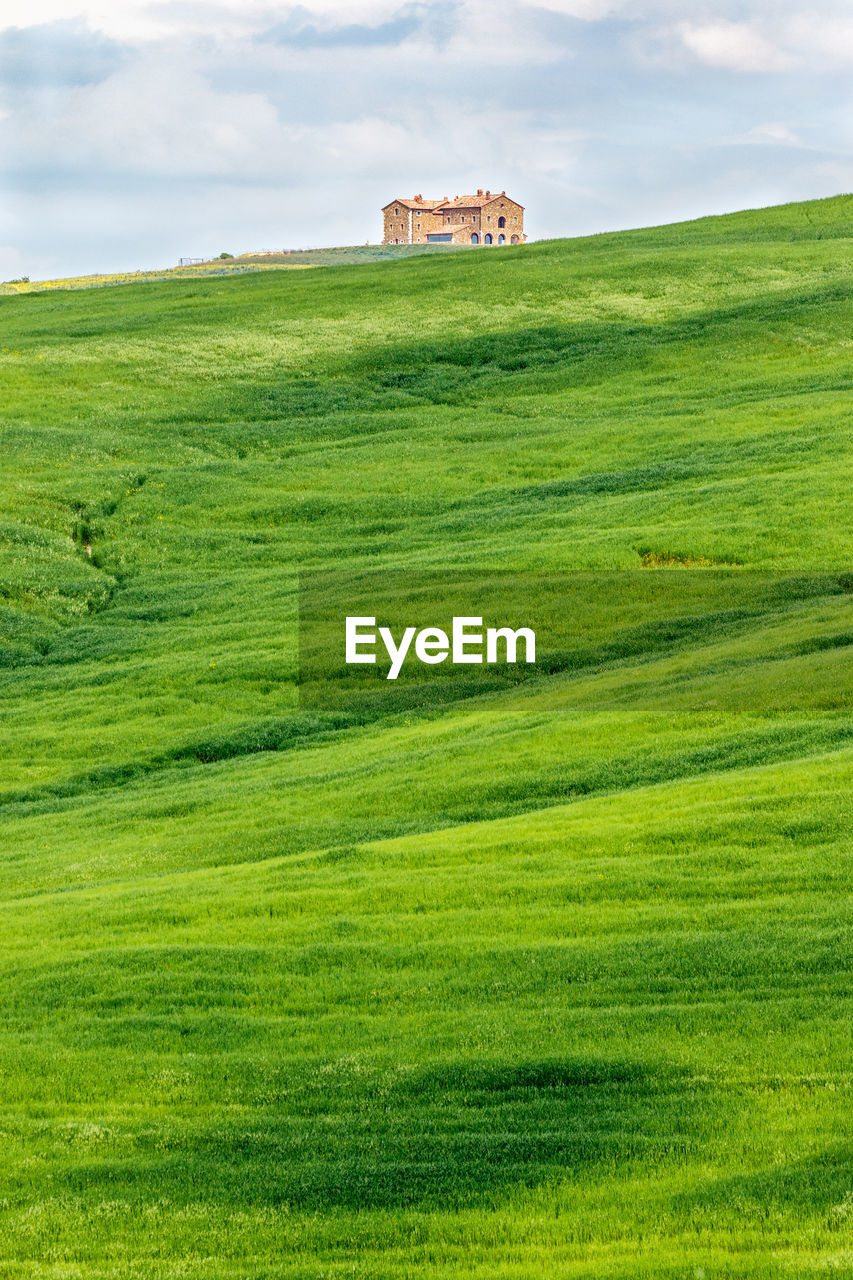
132 134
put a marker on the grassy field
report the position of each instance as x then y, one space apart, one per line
347 255
552 980
351 255
104 280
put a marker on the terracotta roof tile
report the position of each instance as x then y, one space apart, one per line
414 204
458 202
477 201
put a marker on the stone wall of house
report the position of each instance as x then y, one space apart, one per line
408 223
466 216
513 215
424 221
396 225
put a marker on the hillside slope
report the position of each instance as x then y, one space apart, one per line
342 256
552 980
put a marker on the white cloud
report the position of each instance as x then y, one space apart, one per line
735 46
773 133
155 117
140 20
588 10
161 119
827 41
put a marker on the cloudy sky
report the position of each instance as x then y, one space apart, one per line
135 133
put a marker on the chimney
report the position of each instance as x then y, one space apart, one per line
418 197
479 191
503 193
488 193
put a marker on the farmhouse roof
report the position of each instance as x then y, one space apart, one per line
417 203
477 201
458 202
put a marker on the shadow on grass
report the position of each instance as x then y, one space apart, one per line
442 1138
455 370
818 1185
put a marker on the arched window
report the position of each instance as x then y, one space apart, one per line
488 239
514 240
501 222
501 239
475 239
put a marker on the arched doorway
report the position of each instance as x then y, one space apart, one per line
475 239
501 222
488 238
501 239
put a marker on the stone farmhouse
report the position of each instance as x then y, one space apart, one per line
486 218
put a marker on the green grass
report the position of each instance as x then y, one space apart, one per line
551 980
349 255
346 255
107 279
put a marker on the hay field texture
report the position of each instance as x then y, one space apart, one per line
268 260
551 981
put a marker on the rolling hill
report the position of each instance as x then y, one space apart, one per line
343 256
550 979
